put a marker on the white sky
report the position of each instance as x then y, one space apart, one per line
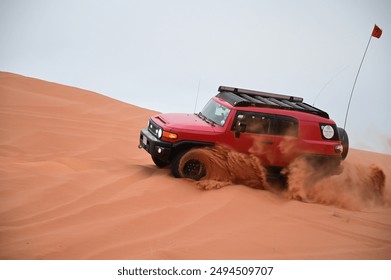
154 53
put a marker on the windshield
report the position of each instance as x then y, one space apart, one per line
215 112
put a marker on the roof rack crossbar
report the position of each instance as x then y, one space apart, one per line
292 104
308 107
265 100
233 99
280 103
251 99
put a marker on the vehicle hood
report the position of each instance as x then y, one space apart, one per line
178 121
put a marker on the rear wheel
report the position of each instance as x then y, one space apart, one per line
343 136
185 166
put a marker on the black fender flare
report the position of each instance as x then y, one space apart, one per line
343 137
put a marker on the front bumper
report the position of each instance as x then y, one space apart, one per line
154 146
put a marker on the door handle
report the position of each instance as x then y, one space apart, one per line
267 142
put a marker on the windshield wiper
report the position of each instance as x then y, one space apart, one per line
204 118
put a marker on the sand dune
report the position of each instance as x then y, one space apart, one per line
74 185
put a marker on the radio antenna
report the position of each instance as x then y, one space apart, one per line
326 84
198 92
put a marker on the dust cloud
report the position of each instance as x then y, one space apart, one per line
353 186
356 187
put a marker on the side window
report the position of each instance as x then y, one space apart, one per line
254 122
286 126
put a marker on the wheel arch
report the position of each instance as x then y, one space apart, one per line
183 146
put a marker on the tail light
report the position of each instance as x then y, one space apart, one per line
338 149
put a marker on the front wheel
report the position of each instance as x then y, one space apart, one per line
185 165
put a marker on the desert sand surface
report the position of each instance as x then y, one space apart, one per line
74 185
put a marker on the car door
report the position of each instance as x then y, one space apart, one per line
286 133
251 133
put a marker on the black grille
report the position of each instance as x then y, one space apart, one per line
153 127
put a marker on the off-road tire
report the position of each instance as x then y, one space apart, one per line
343 136
192 168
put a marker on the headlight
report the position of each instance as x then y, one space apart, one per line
159 133
328 131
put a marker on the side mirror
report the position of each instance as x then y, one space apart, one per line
241 127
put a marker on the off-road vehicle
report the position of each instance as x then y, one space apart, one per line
277 128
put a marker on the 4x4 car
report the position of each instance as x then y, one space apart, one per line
279 127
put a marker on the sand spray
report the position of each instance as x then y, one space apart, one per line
355 186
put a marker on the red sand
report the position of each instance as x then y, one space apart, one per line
74 185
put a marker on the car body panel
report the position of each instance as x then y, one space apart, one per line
275 135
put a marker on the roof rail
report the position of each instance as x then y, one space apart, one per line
245 98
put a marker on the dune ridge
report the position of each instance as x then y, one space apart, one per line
74 185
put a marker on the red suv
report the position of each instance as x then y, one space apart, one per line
275 127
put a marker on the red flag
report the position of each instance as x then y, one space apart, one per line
376 31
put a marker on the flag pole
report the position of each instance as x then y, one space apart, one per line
354 84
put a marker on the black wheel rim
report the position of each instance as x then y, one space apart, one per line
192 169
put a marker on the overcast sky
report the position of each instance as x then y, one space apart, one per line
154 54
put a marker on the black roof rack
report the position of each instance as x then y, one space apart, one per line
244 97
